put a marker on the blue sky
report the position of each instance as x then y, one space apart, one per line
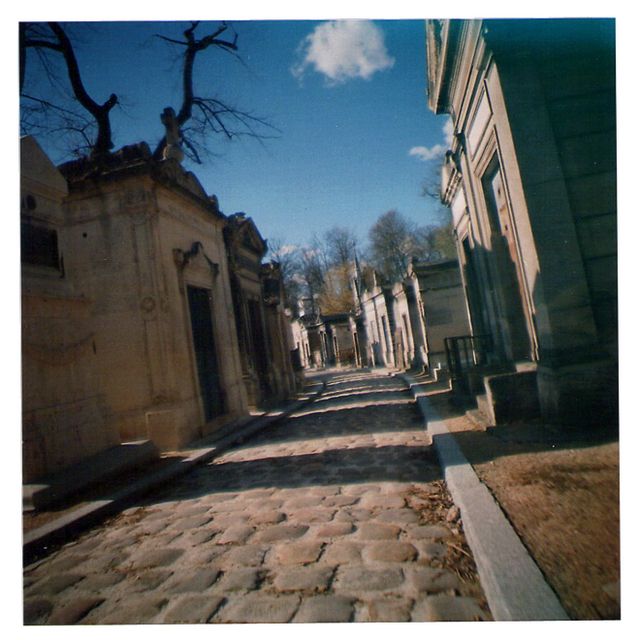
349 99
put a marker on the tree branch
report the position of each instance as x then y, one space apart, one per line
212 114
100 112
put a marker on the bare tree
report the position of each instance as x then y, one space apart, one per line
96 131
198 117
286 256
394 240
391 246
430 187
207 115
311 269
340 244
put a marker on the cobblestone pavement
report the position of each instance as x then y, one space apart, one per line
336 514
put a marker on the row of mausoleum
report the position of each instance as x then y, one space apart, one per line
401 325
147 313
524 321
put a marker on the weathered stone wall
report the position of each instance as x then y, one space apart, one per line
63 412
64 416
138 245
531 183
377 326
443 304
581 96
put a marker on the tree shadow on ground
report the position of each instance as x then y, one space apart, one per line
347 421
410 464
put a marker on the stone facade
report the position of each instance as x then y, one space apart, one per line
339 341
300 338
441 309
531 182
398 326
245 250
64 413
148 247
403 343
284 361
379 324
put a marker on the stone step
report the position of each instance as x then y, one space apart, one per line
78 477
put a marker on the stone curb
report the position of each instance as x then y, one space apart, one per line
35 543
513 584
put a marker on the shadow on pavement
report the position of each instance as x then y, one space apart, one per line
336 466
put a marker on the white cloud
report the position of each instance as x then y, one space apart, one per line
448 131
344 49
437 150
428 153
310 253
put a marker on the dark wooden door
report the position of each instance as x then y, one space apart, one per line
200 307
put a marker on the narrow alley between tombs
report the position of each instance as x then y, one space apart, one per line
337 513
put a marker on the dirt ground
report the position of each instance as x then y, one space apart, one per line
560 490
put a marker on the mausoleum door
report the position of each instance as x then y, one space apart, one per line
258 343
473 292
200 311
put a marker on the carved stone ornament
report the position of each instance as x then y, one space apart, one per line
147 304
182 258
172 150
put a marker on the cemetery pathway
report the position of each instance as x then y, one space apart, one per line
338 513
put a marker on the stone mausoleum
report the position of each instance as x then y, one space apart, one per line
130 326
531 182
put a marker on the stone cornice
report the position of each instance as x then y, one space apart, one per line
137 160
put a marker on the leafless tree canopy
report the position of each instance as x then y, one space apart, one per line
341 244
200 117
92 124
394 240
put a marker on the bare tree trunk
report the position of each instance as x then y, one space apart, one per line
100 112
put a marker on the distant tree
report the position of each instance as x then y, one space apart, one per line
443 243
287 257
311 272
394 240
335 294
430 187
320 270
391 244
340 244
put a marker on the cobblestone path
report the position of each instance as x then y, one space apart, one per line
337 514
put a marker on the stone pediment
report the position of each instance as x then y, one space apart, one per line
138 158
195 259
242 232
